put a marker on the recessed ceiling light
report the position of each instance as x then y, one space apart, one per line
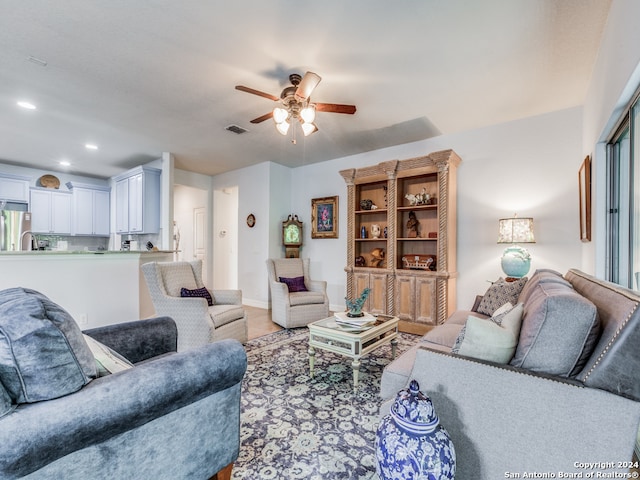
90 146
27 105
65 163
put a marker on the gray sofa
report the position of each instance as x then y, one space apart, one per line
569 399
172 415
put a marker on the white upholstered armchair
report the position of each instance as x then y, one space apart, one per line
292 309
198 323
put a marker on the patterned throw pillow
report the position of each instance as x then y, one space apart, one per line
499 293
197 292
458 342
295 284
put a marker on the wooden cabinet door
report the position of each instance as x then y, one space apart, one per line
405 297
377 282
426 301
378 295
361 281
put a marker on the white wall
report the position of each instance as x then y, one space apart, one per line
281 205
526 166
253 243
616 75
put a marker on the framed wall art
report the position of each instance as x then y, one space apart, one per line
584 187
324 217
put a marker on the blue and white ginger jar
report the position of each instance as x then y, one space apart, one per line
410 443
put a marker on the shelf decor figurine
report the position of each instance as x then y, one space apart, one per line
366 204
422 198
412 225
410 442
355 305
377 257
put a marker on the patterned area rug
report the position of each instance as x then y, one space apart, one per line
297 427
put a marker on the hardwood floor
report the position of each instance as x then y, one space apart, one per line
259 322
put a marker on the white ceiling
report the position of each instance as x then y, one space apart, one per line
140 78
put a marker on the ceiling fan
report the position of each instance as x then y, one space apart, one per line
295 104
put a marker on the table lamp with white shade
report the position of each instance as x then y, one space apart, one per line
516 260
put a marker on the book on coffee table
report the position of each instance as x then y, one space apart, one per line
343 318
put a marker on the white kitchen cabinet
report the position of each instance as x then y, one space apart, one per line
122 206
138 201
14 188
50 211
91 210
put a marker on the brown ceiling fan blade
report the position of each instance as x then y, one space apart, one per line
335 108
308 83
242 88
264 117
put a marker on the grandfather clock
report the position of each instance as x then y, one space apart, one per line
292 236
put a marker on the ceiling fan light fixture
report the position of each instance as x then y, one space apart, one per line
283 127
280 114
309 128
308 83
295 104
308 114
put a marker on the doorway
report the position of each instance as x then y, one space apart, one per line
225 238
190 225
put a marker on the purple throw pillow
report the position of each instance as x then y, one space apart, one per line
198 292
295 284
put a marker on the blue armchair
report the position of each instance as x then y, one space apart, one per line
173 415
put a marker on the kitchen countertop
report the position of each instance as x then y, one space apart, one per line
84 252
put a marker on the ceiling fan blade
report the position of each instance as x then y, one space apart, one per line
335 108
242 88
264 117
308 83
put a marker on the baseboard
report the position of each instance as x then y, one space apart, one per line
267 305
256 303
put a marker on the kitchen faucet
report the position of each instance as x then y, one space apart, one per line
33 239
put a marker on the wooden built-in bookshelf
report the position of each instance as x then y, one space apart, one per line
420 289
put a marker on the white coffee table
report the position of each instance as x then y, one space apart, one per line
327 334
